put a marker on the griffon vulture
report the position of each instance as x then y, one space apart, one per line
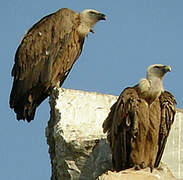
46 55
139 122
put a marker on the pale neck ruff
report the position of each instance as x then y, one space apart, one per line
151 88
156 84
84 28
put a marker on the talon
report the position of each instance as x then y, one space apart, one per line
137 167
151 168
142 165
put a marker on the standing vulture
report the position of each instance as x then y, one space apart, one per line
139 122
46 55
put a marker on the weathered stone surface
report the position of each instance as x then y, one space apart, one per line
130 174
77 145
173 154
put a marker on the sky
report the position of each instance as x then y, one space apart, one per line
137 33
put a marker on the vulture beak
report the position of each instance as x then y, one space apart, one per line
167 68
101 16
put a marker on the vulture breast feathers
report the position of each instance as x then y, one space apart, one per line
46 55
139 122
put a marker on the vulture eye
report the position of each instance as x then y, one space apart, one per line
157 67
92 12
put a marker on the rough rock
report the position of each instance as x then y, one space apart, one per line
173 154
162 173
77 146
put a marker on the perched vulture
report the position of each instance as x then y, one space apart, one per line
46 55
139 122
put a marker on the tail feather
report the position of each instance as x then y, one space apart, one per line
23 108
25 112
25 104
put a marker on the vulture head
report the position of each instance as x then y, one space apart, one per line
88 18
151 87
157 70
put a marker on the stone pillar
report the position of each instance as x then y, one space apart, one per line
77 145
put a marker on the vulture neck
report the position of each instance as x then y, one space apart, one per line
151 88
84 29
86 25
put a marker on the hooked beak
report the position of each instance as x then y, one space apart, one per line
101 16
167 68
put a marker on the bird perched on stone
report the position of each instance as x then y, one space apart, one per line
139 122
46 55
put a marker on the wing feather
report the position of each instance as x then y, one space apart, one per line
168 110
44 57
121 127
41 39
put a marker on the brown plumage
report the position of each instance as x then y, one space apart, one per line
46 55
138 124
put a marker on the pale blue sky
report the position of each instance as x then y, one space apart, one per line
136 34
